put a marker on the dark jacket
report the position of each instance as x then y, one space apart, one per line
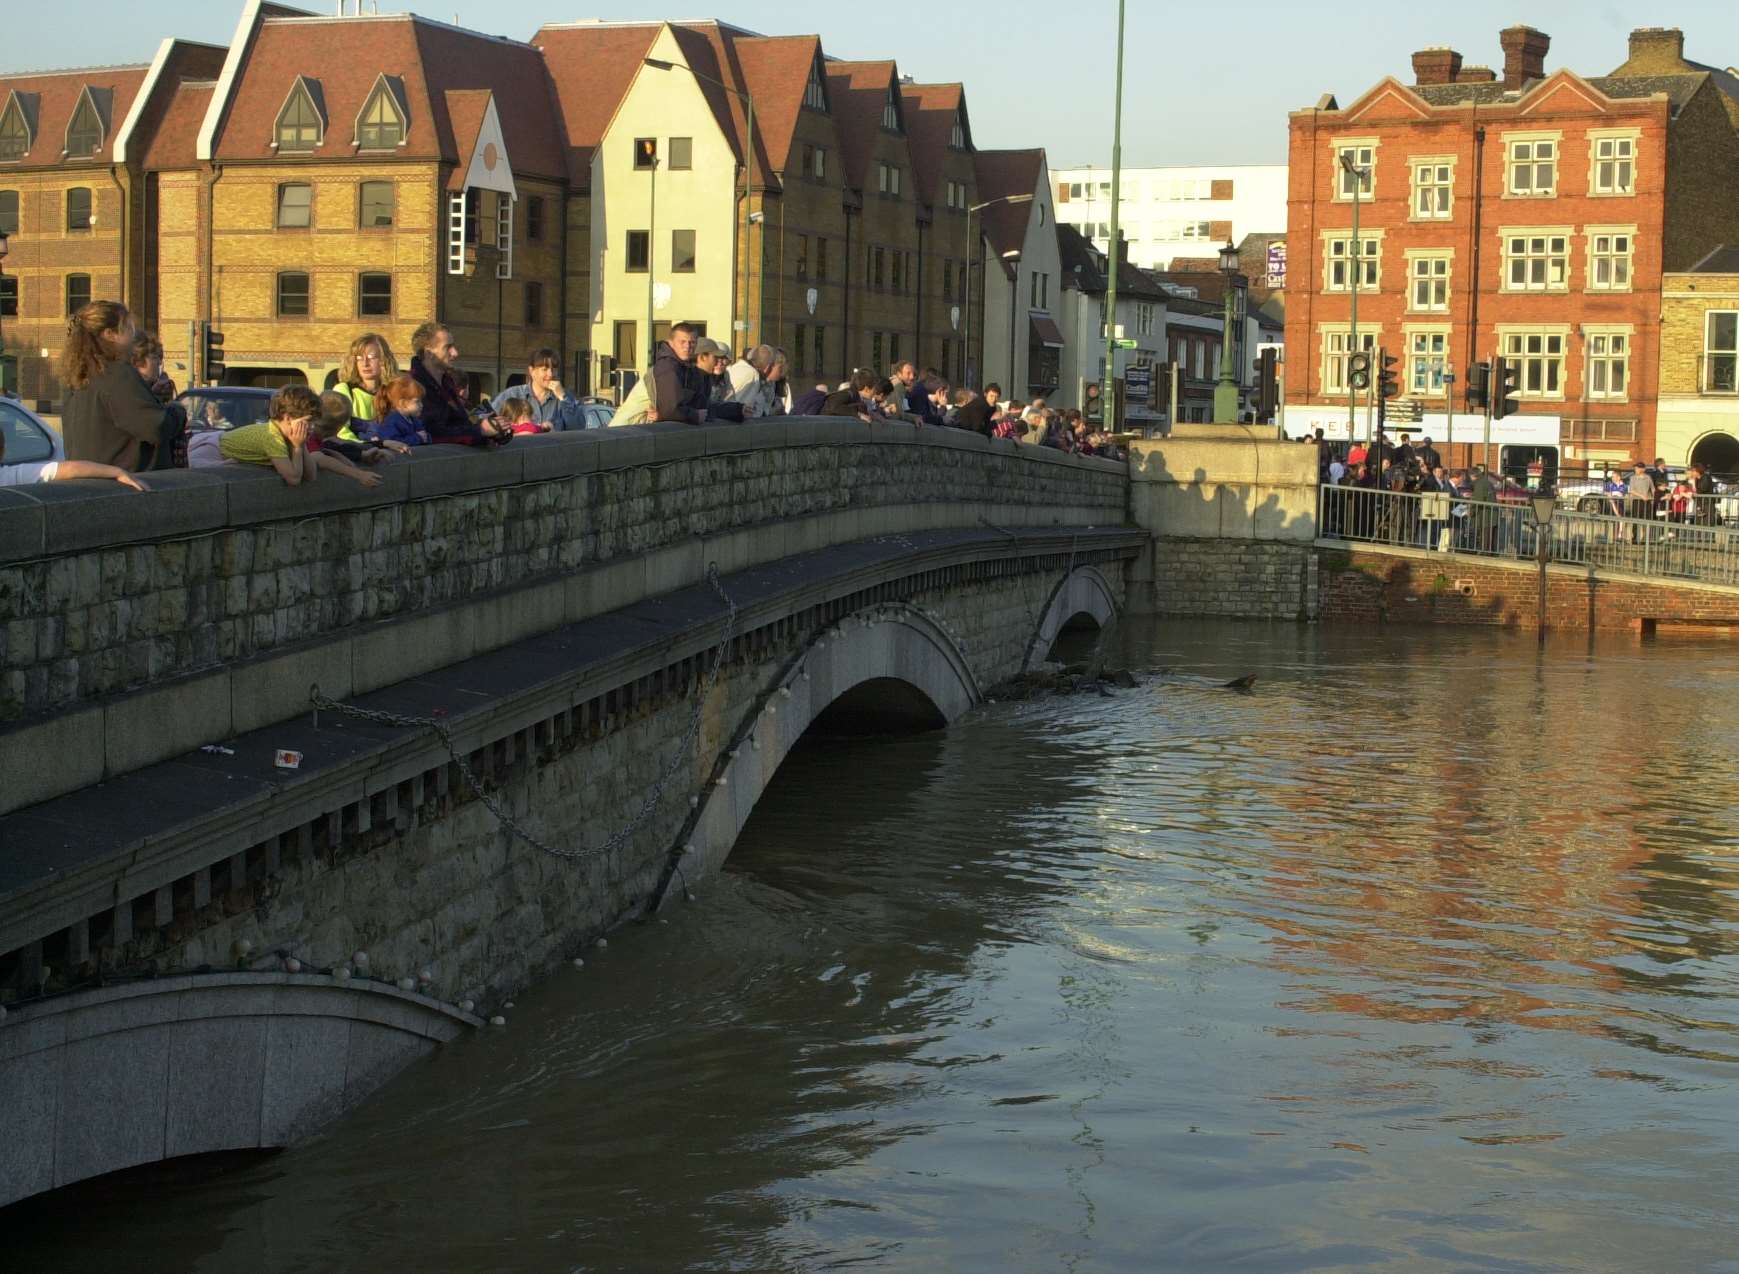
680 391
115 419
975 416
809 404
445 417
1428 457
398 427
843 402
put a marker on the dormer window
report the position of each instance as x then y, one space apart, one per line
14 132
381 126
891 111
957 135
84 136
300 126
815 92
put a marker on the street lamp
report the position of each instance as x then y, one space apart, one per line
659 64
977 259
1545 504
1356 265
1012 256
4 248
1226 392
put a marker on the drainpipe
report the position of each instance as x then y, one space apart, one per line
845 298
918 305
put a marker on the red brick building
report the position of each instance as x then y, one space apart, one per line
1529 215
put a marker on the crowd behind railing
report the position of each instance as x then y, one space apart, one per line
122 420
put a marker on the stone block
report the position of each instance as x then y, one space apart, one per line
86 515
275 687
547 457
306 1058
256 495
23 520
215 1084
113 1099
624 448
30 1096
152 725
448 470
49 756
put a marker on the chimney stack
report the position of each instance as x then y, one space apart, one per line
1524 54
1438 64
1476 75
1657 49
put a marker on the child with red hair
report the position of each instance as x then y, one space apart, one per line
398 410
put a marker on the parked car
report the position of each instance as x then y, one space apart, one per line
29 440
598 412
225 406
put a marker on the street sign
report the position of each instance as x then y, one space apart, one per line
1123 343
1138 385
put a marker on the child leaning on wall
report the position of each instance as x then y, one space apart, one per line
281 441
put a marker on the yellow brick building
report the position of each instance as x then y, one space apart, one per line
1698 419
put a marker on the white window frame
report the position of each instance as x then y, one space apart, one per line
86 103
1554 342
1530 235
1439 174
1336 345
815 92
1364 156
504 235
1711 352
299 86
381 91
1533 161
1617 140
891 110
1429 362
1604 348
1607 237
1435 268
1337 250
957 133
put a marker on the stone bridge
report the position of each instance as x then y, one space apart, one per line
607 641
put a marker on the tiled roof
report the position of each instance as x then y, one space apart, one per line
858 91
172 143
777 73
1678 89
711 49
1002 173
425 55
591 66
466 110
49 99
1475 91
929 112
1723 260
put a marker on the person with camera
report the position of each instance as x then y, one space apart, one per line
111 416
446 417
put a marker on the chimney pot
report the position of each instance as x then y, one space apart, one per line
1662 48
1524 54
1436 65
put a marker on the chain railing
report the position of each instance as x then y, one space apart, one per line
654 794
1694 549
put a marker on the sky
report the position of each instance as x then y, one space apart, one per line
1200 88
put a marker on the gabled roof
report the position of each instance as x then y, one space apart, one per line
777 72
49 99
1002 173
173 141
1723 260
591 66
430 59
1080 260
859 91
708 50
930 111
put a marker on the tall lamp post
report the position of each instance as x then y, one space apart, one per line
977 260
1355 266
4 386
1012 256
1545 503
1226 392
1111 404
659 64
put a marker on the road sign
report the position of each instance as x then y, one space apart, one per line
1138 385
1122 343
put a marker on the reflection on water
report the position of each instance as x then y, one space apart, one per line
1421 958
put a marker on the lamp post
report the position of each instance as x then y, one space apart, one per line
1226 392
659 64
1545 503
4 248
1111 406
977 261
1012 256
651 260
1358 175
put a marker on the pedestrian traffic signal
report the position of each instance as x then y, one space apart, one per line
1267 384
1479 384
1505 383
213 356
1359 369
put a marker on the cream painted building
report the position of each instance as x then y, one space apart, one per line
1698 415
1023 289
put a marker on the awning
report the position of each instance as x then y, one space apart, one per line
1044 330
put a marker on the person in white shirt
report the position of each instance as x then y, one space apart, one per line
753 384
23 475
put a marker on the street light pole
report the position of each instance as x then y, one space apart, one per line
4 248
1545 503
1013 258
1358 176
651 260
1226 392
1108 395
977 259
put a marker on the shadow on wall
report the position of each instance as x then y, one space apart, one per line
1373 587
1241 486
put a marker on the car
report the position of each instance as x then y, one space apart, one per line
29 440
225 406
598 412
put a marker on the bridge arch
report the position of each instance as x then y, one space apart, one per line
118 1076
1083 591
897 661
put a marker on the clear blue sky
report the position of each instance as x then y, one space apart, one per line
1203 84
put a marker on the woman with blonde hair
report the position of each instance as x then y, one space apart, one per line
364 372
110 416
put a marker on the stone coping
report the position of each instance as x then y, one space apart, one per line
74 855
49 519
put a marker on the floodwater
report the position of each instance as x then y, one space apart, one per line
1421 957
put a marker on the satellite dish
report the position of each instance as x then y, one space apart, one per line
660 295
954 318
810 298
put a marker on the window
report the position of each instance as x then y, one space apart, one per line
645 153
1036 303
8 212
1609 260
533 304
876 263
473 213
891 111
299 123
957 139
639 251
808 161
295 206
534 218
799 347
1362 156
1336 345
84 136
78 208
1608 364
893 348
957 194
1539 356
1614 166
681 153
1721 352
1144 319
8 296
946 364
820 162
682 252
820 258
947 279
377 200
1533 166
820 363
887 179
876 351
815 92
373 294
1430 282
1426 354
1537 262
800 255
1433 189
292 295
1337 262
14 132
380 126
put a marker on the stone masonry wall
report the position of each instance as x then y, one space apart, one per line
1243 579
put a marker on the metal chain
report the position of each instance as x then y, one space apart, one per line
492 803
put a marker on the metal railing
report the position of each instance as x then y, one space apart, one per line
1697 549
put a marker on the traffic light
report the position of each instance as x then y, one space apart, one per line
1479 384
1267 384
213 357
1505 382
1162 388
1359 369
1095 407
1388 382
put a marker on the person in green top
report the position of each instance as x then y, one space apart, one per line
281 442
363 373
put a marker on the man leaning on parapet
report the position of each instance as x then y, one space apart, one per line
680 390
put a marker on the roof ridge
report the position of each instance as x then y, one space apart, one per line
79 70
317 19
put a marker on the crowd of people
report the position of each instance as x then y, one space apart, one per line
121 417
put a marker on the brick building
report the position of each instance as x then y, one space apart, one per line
1531 215
1699 366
